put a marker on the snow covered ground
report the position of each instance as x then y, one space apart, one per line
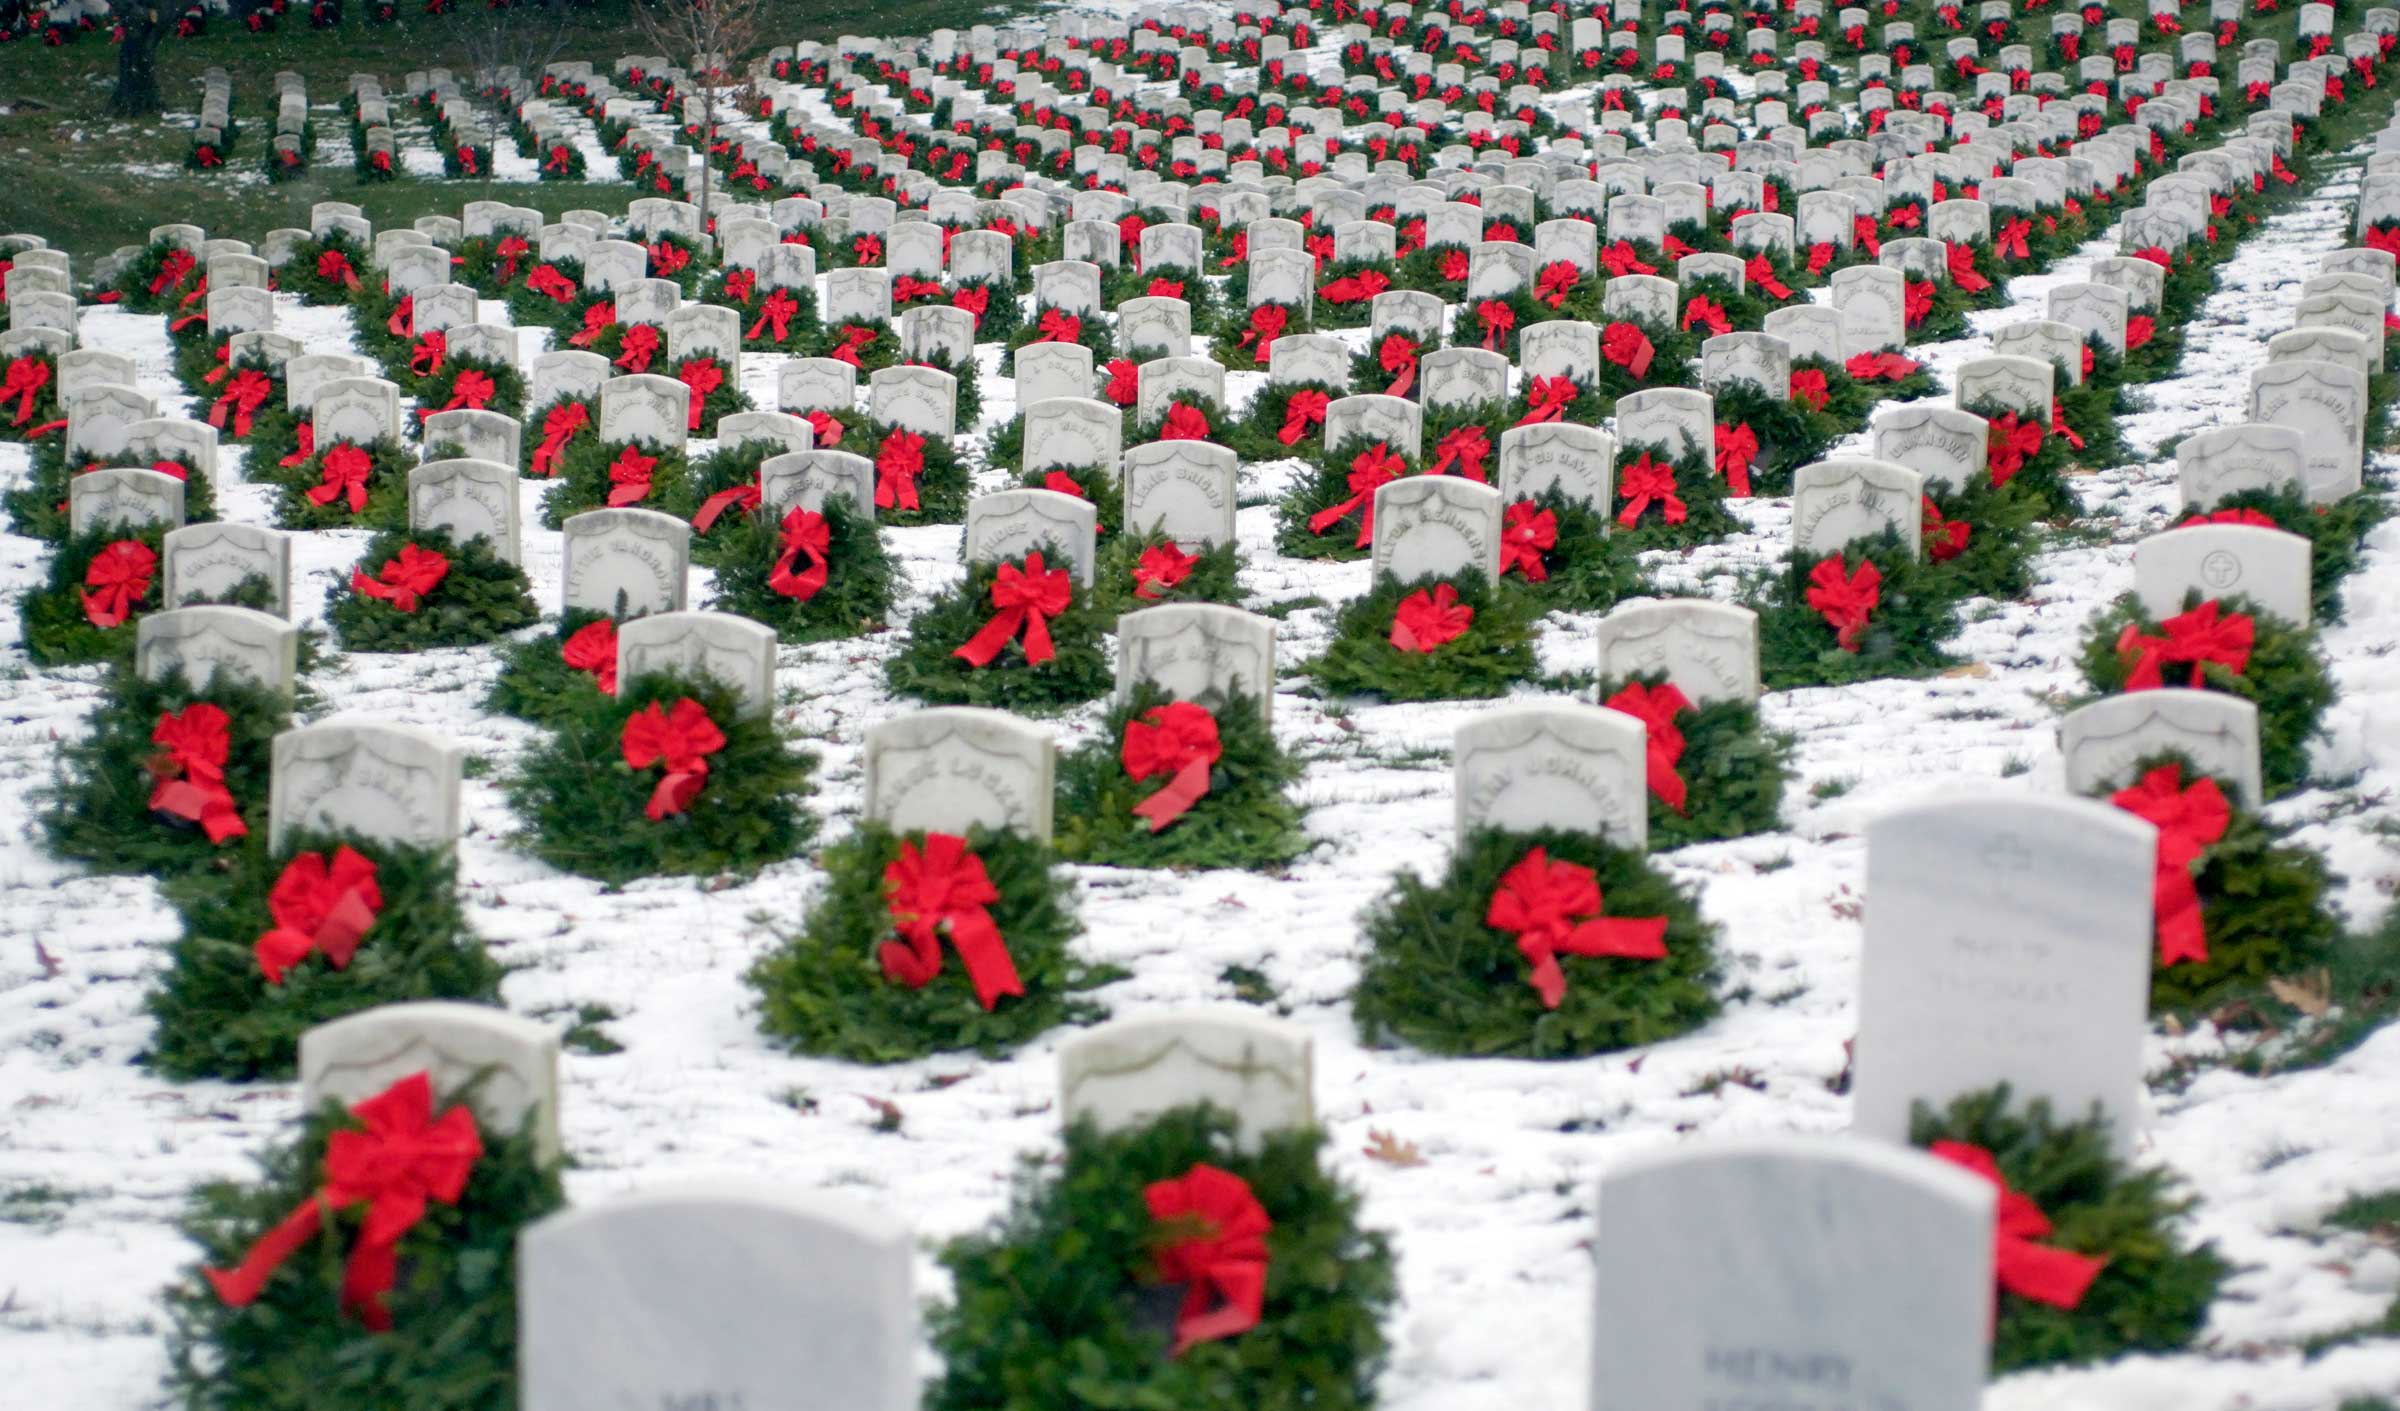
96 1155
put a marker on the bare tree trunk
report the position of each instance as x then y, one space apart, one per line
708 128
137 94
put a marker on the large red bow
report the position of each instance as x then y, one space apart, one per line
1807 387
2011 444
1059 327
473 390
1497 319
190 770
974 298
1961 262
1707 312
117 578
1628 347
1916 301
2195 638
1531 532
1355 288
1218 1250
334 268
2188 820
241 400
1370 470
403 322
1266 325
1656 707
629 477
856 338
1162 567
343 476
27 376
668 258
1622 259
1845 600
1737 449
406 578
1304 409
943 888
747 496
640 344
1398 356
1556 281
173 270
405 1160
598 319
2011 240
321 902
898 463
682 740
805 532
702 375
1554 907
1180 740
426 358
1945 539
1465 450
1647 481
511 249
558 427
1760 272
2057 1277
1184 423
1880 367
593 649
1548 400
774 317
1024 599
827 432
1424 621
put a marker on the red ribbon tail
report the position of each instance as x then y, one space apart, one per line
2058 1277
338 934
985 955
1665 782
981 648
2177 899
1188 787
240 1286
1242 1284
1400 386
675 793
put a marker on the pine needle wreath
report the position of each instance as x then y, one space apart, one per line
531 435
858 591
758 331
1790 434
584 479
2160 355
1215 578
1707 518
440 392
1495 653
1229 349
1055 1305
97 809
1946 320
2003 534
1352 313
1206 304
530 308
1001 316
38 506
1850 401
823 990
2337 535
535 683
300 276
943 487
149 268
585 807
274 437
871 342
481 598
1904 636
1734 771
58 632
1743 309
2044 473
1468 329
219 1018
2287 678
727 398
1257 435
925 668
1091 330
453 1343
1326 485
1367 373
1243 821
725 468
1592 567
387 490
2152 1295
1139 433
2089 409
1437 976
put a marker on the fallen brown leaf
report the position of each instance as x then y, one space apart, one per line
1390 1150
2311 992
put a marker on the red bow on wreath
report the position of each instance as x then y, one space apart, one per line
2057 1277
342 476
1124 386
1760 271
826 431
1621 259
593 649
558 427
334 268
1266 325
1465 451
2011 240
1355 288
1646 482
1304 409
1497 320
1945 539
1916 301
117 578
1880 367
1808 388
747 497
1625 345
629 477
941 889
1162 567
241 400
1217 1248
1556 281
1656 707
774 317
1178 740
403 1162
1553 908
598 319
1058 327
898 463
1024 599
406 578
1845 600
425 359
668 258
1736 451
1960 260
321 903
855 340
27 376
2194 638
682 740
1424 621
1548 399
1370 470
2011 444
190 770
639 345
473 390
1707 312
1184 423
804 532
2188 820
1531 532
1397 356
702 375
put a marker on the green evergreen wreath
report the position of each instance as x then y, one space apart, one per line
1207 305
2003 534
1091 330
1946 320
529 441
856 598
583 481
1790 434
1734 772
481 598
924 667
1706 520
1231 352
585 808
1139 433
943 487
1467 330
435 393
2089 409
1367 372
1671 353
1743 309
58 632
535 683
1255 436
1905 632
1437 976
874 354
823 990
2045 472
2263 907
1326 485
727 398
37 507
97 810
133 286
2336 532
219 1018
1054 1310
1590 568
1850 401
298 275
453 1344
2151 1295
969 407
1357 312
1495 653
1216 578
387 489
1105 492
1001 316
1243 821
274 437
725 468
2287 678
